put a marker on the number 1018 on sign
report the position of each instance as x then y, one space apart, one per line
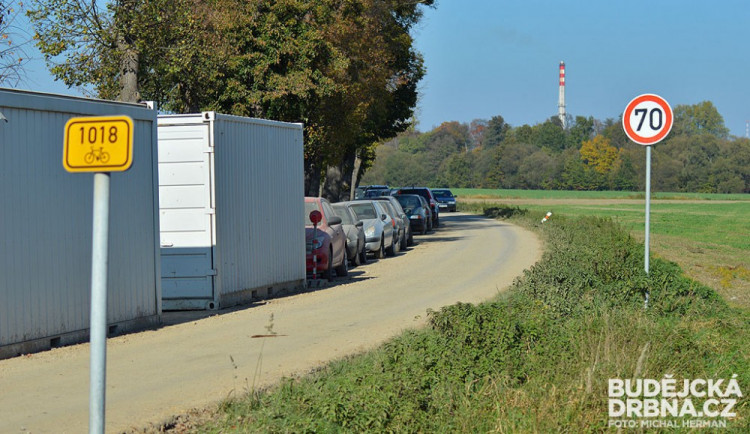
98 144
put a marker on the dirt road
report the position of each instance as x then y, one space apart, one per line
154 375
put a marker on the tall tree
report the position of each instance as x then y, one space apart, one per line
12 42
701 118
497 129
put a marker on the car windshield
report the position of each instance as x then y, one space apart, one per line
341 211
309 207
375 193
409 202
418 191
442 193
364 211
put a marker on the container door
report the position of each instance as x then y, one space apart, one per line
186 216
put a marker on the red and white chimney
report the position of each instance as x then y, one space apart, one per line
561 101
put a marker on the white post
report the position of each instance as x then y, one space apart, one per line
99 251
648 215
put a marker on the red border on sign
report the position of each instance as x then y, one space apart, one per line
629 109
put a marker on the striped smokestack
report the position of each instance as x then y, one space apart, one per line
561 102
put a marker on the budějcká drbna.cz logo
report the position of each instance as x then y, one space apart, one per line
671 403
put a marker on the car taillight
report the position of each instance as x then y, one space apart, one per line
393 223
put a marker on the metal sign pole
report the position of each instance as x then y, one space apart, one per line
99 251
648 214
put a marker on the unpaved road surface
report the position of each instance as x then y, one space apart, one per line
154 375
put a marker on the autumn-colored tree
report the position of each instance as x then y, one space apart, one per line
599 155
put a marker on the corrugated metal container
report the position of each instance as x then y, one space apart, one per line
46 225
231 209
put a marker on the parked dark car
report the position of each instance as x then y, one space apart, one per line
355 234
373 191
446 199
326 243
429 197
417 210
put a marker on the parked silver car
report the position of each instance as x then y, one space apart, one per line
377 225
402 221
355 234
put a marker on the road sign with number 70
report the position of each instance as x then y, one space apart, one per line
98 144
647 119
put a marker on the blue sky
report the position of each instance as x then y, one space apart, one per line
493 57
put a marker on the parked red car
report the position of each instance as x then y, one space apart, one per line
326 244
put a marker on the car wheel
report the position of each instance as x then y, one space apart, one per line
392 249
410 241
343 269
424 228
355 260
380 254
363 257
328 274
437 222
404 242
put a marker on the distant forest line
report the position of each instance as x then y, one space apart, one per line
698 155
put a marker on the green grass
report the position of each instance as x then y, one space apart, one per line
536 359
565 194
707 234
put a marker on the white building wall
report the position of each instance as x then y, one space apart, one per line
258 203
46 223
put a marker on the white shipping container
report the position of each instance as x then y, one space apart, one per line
231 205
46 225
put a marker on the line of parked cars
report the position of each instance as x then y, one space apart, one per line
380 221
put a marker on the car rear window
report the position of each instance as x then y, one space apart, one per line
364 211
342 212
409 202
420 191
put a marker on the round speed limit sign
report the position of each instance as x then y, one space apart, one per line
647 119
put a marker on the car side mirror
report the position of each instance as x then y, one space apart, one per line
335 220
359 224
383 217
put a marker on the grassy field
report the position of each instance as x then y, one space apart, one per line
538 358
708 235
557 194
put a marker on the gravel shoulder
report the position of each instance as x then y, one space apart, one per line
195 363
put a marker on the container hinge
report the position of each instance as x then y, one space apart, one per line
209 150
210 211
211 272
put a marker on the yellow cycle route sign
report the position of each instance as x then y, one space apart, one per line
98 144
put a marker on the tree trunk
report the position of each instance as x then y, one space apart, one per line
312 179
334 182
128 71
355 176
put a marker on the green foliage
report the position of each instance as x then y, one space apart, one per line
347 70
590 155
533 360
698 119
504 212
